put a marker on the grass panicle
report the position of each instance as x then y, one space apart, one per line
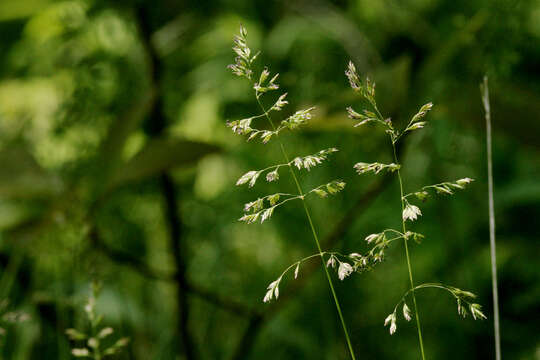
263 208
410 211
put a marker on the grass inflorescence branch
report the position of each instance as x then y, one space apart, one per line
272 172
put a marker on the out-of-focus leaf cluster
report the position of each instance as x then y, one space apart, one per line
78 151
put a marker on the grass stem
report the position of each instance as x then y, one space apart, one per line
417 315
315 236
484 89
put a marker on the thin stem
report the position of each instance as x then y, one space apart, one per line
280 194
290 163
427 187
395 231
493 251
334 253
289 199
408 257
428 285
314 189
374 104
314 232
258 116
97 352
385 243
274 166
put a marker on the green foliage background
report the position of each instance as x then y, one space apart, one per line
116 166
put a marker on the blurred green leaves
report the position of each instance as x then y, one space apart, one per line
75 96
13 9
22 177
160 155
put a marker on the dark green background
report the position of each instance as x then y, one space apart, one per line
116 166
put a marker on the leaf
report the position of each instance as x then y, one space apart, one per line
160 155
15 214
23 177
111 149
17 10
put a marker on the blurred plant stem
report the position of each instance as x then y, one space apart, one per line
168 189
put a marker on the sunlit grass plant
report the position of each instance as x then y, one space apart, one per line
410 211
263 127
345 264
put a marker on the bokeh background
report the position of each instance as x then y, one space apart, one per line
116 166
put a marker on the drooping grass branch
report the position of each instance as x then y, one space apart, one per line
484 89
258 320
409 212
243 68
463 299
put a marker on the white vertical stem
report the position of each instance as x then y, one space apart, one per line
485 100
